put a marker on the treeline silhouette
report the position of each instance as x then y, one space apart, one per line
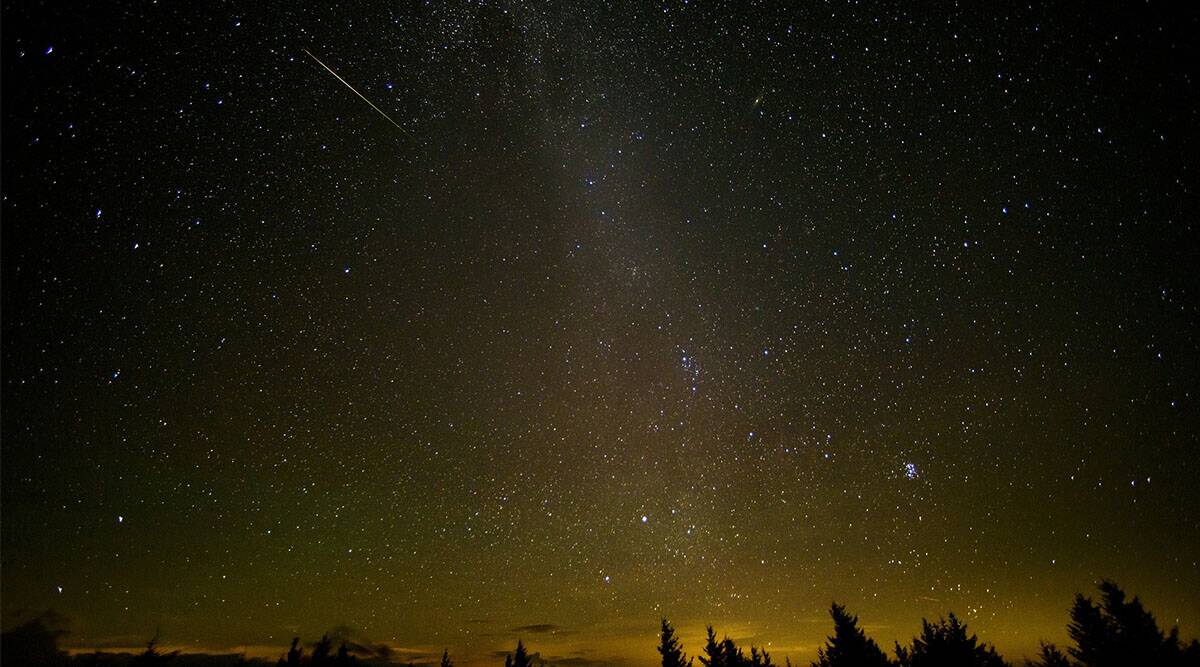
1114 631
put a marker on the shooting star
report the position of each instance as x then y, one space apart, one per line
361 96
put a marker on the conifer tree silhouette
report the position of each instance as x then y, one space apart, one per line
1118 632
1188 656
760 658
1049 656
320 653
294 654
713 656
733 655
849 646
946 644
726 653
519 657
292 657
344 658
1091 632
152 657
670 649
446 658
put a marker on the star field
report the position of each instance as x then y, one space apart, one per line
712 311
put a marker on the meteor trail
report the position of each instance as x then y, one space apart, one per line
355 91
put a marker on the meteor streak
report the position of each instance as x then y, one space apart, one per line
363 97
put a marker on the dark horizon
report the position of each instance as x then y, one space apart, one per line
441 320
1113 629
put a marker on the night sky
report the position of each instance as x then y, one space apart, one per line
713 311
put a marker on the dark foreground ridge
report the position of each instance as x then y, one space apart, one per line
1112 632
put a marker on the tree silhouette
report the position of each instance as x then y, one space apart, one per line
1090 631
849 646
320 653
713 657
946 644
733 655
1184 655
1117 631
152 657
33 643
670 649
294 654
726 653
344 658
720 653
760 658
1049 656
519 657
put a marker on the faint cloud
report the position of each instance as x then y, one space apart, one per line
542 629
576 660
